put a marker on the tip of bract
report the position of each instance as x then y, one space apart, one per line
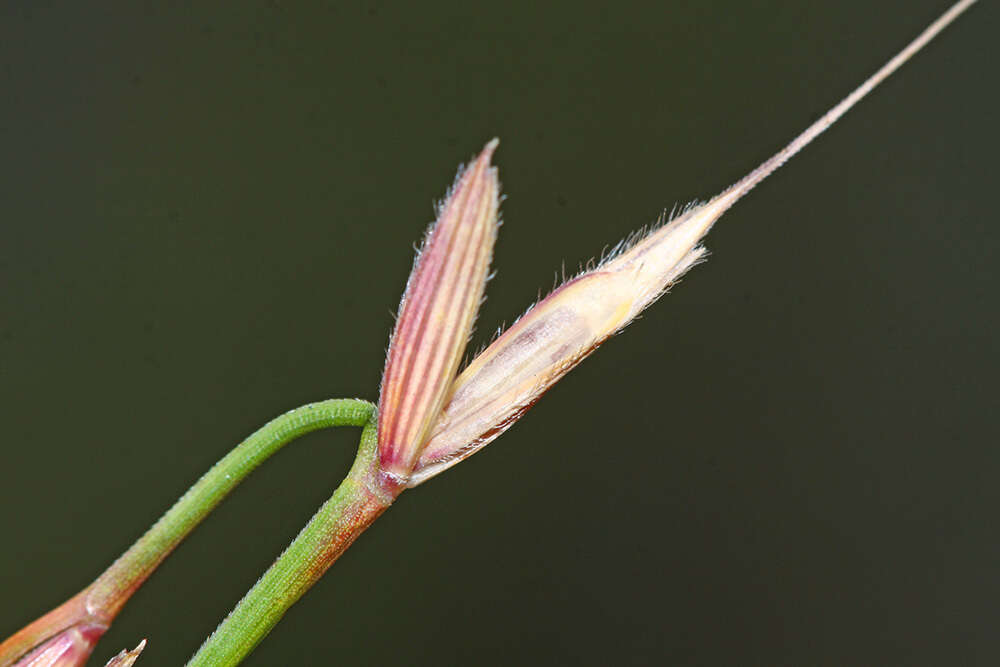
127 658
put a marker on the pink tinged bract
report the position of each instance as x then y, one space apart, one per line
69 648
436 315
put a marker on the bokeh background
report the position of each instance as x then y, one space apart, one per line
207 218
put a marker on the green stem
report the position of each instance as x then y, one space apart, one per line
98 604
111 590
363 495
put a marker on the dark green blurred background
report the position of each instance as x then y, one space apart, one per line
207 219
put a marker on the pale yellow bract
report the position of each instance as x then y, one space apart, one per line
551 338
